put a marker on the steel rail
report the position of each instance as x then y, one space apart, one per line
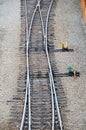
28 79
53 107
27 94
50 69
49 75
53 117
28 74
25 102
53 93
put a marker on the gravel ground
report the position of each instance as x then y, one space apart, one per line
69 27
9 54
69 24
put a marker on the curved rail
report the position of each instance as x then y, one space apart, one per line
49 76
28 33
50 69
24 110
52 86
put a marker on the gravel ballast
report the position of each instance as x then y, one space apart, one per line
9 55
69 28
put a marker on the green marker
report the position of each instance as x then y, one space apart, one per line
70 68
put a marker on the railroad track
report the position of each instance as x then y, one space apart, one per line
41 109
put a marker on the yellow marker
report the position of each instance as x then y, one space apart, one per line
64 45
